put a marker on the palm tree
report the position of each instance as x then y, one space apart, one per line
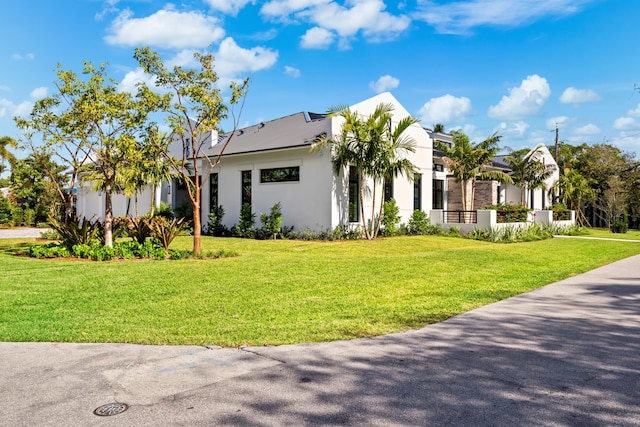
469 162
575 190
374 149
7 142
528 172
438 128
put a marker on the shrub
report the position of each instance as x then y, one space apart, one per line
272 223
164 211
28 217
245 227
50 235
138 228
390 218
6 210
418 223
215 227
561 212
454 232
620 226
164 231
76 231
510 213
50 250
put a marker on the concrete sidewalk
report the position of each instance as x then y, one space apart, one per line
21 232
563 355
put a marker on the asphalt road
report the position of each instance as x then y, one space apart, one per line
563 355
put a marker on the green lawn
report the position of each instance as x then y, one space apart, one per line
604 233
278 292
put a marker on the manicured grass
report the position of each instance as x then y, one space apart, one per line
278 292
605 233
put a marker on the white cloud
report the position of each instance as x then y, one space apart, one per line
39 93
460 17
291 71
626 123
132 78
166 28
634 113
517 129
445 109
233 61
523 101
21 57
552 122
571 95
384 84
9 109
366 16
109 7
589 129
231 7
317 38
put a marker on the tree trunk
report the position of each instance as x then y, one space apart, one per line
361 191
108 216
196 220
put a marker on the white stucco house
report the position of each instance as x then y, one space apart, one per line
272 162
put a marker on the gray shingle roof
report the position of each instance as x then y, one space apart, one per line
296 130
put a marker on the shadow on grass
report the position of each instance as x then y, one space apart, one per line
564 358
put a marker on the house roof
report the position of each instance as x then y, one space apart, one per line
296 130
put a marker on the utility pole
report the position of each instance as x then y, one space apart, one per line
556 155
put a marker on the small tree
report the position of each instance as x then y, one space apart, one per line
194 117
390 218
246 221
469 162
528 172
7 142
272 222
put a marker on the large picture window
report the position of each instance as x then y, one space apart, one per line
288 174
354 195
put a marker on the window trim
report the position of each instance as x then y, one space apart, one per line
293 176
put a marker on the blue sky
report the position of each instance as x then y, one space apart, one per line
516 67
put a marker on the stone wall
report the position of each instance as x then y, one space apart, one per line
486 194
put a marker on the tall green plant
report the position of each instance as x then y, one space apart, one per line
375 149
246 221
390 218
469 162
272 222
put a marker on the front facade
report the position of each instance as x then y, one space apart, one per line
273 162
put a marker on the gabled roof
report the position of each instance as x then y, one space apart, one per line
296 130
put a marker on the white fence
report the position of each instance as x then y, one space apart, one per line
488 219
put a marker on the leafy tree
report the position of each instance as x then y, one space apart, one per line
7 142
469 162
575 191
528 172
375 149
272 222
34 181
194 115
94 127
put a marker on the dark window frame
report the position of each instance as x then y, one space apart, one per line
354 195
282 174
417 192
213 191
245 187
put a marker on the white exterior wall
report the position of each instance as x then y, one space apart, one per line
403 186
306 203
90 204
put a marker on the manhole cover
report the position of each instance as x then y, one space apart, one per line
111 409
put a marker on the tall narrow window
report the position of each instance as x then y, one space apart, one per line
246 187
388 188
213 191
417 192
354 193
438 194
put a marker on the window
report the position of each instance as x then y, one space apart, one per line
290 174
417 192
438 194
213 191
388 188
354 193
438 167
246 187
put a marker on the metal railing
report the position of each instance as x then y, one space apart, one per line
460 217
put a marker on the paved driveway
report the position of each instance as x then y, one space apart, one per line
563 355
21 232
